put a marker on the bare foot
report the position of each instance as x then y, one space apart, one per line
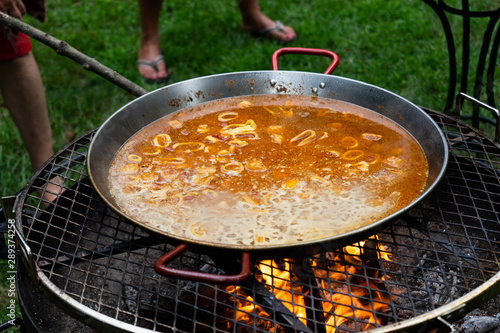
262 25
150 53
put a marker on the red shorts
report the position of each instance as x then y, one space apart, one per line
17 46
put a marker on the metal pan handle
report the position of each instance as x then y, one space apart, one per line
198 276
459 102
306 51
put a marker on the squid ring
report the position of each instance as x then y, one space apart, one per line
227 116
352 154
306 136
162 140
233 168
169 160
134 158
197 146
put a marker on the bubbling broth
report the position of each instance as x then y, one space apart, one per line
267 170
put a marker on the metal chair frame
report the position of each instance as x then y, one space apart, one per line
487 60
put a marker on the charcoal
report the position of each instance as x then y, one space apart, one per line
479 324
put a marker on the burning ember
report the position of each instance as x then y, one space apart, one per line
352 298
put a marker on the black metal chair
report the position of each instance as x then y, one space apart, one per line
459 74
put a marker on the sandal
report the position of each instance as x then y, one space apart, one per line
154 65
266 33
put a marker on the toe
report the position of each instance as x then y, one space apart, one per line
147 72
152 73
162 70
285 35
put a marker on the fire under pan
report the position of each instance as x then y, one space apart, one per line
431 266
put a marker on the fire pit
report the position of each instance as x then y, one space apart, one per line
433 265
430 267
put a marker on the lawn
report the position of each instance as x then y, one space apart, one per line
397 45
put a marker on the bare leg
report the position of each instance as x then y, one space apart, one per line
23 93
22 90
254 20
149 13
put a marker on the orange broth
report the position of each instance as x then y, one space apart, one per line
267 170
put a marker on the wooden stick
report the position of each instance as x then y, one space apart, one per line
64 49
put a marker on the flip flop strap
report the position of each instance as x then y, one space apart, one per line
278 27
153 64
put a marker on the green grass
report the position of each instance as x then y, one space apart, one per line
397 45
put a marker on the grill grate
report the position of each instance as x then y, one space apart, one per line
440 251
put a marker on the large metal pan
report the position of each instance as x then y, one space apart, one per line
146 109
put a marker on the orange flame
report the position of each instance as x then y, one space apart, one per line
345 302
244 305
341 303
279 282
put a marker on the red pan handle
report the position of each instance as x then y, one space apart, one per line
198 276
306 51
